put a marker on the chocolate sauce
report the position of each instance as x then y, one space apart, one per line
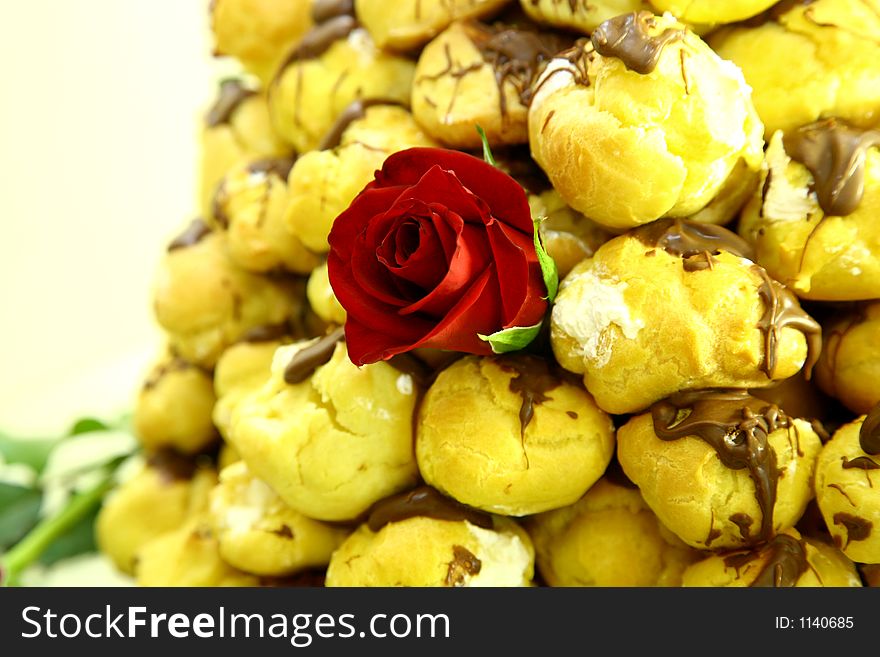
857 529
744 522
782 310
284 531
172 466
176 364
324 10
307 360
424 501
515 55
533 379
869 434
835 154
318 40
786 563
232 94
192 235
356 110
628 38
737 426
688 239
464 564
859 463
266 333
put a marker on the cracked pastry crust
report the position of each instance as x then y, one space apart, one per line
321 79
333 443
423 551
250 204
609 537
206 303
581 15
704 502
816 60
788 560
817 254
627 147
849 367
475 74
848 494
236 130
408 24
258 33
635 304
711 12
257 533
509 435
324 182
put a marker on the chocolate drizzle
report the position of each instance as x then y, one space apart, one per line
869 434
424 501
859 463
308 359
172 466
737 426
232 94
266 333
628 38
835 155
782 310
464 564
515 55
356 110
324 10
784 565
533 379
318 40
192 235
857 529
692 241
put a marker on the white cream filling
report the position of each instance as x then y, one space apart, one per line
503 557
588 307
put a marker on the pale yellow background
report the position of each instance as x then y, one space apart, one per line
99 105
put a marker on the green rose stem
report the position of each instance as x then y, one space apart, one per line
32 546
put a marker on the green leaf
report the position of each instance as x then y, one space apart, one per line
19 512
88 425
28 451
548 265
77 540
511 339
487 151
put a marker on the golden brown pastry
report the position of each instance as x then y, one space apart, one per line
642 121
654 311
786 561
174 407
580 15
206 303
810 60
259 32
257 533
608 538
420 538
328 437
813 222
848 488
720 468
408 24
511 436
250 203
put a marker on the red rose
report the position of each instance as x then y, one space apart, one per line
437 249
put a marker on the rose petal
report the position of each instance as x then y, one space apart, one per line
470 259
443 187
354 220
477 311
523 288
506 199
423 266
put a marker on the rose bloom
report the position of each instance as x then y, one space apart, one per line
437 249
